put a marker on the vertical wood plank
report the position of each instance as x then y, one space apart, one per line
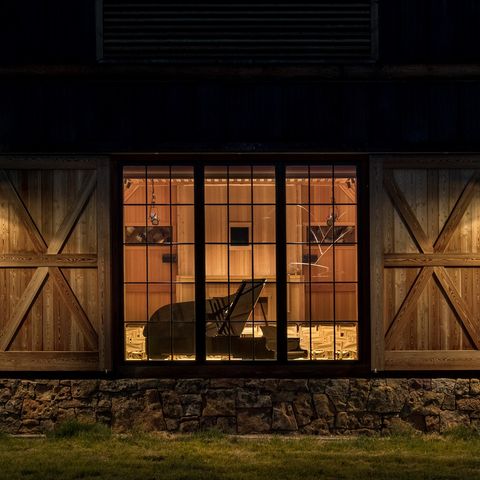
457 213
104 263
433 228
8 332
46 200
376 264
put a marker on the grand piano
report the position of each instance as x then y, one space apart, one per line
171 330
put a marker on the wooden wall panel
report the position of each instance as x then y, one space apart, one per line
54 265
430 232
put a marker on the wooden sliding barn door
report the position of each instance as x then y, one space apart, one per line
425 249
54 264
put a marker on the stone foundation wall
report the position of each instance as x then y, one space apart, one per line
314 406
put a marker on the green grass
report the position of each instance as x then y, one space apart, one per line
75 429
75 452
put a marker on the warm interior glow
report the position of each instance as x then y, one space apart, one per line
322 287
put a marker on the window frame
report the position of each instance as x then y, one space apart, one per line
241 368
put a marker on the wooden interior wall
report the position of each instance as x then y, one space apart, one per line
54 264
136 260
343 269
231 205
429 240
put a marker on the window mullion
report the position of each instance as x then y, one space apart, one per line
199 210
281 263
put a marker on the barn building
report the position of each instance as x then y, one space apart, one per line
255 217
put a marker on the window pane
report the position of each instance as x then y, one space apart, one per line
298 341
240 260
158 185
264 261
135 302
321 259
134 185
161 264
135 263
297 184
298 306
295 264
184 256
320 297
323 341
346 301
321 185
264 185
184 220
182 185
297 218
345 263
135 346
264 224
346 341
216 185
345 184
216 262
216 223
135 224
240 185
322 221
183 341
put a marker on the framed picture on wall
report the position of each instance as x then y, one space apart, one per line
330 234
153 234
240 235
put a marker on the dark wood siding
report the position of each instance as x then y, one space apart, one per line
78 115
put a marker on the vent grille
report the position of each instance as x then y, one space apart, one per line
241 32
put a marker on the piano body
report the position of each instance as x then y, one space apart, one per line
171 328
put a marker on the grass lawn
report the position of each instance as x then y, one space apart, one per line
211 456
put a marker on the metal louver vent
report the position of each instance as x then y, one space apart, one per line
240 32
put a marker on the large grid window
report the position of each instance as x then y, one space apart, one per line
278 254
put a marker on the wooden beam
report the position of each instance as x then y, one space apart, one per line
72 303
415 260
22 308
459 306
49 361
13 197
62 234
104 217
457 213
406 213
29 260
400 321
432 360
344 72
376 266
426 161
55 162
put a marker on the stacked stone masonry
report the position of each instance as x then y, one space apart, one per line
242 406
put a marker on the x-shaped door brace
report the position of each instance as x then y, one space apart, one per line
42 273
462 311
